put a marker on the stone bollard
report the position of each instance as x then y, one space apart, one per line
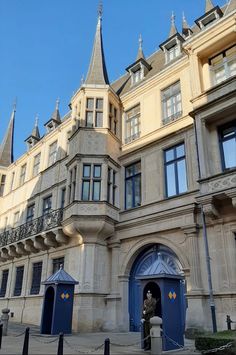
155 333
4 319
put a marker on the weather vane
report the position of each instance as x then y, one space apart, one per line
100 8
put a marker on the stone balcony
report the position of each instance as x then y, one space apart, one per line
37 235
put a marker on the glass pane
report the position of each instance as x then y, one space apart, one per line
170 180
86 171
96 190
97 171
232 67
129 171
99 119
137 191
169 154
180 151
182 179
89 119
137 168
99 104
85 189
90 104
128 197
229 148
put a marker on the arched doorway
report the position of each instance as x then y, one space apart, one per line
143 261
48 311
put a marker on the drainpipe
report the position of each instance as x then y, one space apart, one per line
208 259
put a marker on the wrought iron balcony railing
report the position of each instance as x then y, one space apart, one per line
50 220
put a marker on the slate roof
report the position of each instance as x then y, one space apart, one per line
60 277
157 61
6 148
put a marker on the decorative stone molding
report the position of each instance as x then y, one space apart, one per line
210 211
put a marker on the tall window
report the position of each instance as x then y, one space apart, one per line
30 212
228 145
2 184
91 183
133 185
36 278
47 205
111 186
175 170
16 219
36 164
113 118
52 155
171 103
22 174
4 283
12 180
63 197
172 52
132 124
56 263
223 66
19 280
94 112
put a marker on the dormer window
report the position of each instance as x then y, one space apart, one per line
137 76
173 52
138 71
209 17
172 47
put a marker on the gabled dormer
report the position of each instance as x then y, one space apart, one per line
186 30
172 47
35 135
212 13
139 69
55 119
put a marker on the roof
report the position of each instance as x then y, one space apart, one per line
6 148
60 277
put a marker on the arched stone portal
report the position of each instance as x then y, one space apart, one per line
142 262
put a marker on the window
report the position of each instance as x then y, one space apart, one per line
22 174
36 278
36 164
12 180
19 280
175 170
16 219
133 185
4 283
30 213
173 52
111 186
47 205
223 66
52 156
132 124
94 112
91 180
113 118
56 263
63 197
171 103
228 145
2 184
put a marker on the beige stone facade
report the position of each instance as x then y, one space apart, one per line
88 208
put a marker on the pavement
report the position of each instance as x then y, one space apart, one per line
78 343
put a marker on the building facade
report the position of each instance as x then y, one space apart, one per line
137 170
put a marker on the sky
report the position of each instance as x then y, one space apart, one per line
46 45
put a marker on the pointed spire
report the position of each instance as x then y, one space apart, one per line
6 148
173 29
209 6
186 30
56 114
230 7
35 133
140 49
97 73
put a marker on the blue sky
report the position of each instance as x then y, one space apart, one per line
45 48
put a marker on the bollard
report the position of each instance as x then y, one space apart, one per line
25 350
155 333
60 344
228 321
4 319
1 325
107 346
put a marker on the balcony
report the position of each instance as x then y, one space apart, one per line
34 236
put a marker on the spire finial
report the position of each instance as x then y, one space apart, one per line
173 29
57 103
100 9
14 104
173 18
36 120
140 40
82 79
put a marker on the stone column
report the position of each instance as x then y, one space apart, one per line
115 250
194 259
195 73
4 319
124 291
